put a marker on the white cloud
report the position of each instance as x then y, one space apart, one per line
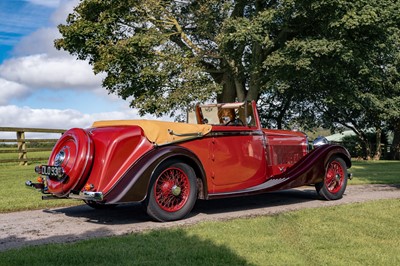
37 65
9 90
47 3
43 71
15 116
61 14
26 117
39 42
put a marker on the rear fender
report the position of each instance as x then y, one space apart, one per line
133 186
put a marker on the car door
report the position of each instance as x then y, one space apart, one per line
238 159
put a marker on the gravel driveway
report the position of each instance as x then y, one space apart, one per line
70 224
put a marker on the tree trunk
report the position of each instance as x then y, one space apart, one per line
395 149
240 90
228 94
378 145
255 75
366 147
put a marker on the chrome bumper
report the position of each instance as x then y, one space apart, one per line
87 195
81 195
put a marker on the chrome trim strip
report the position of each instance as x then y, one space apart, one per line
235 133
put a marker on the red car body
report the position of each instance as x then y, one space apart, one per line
168 166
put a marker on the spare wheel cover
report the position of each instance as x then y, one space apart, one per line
74 152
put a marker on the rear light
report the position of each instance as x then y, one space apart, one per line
40 179
89 187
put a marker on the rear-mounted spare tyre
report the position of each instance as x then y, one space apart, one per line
74 153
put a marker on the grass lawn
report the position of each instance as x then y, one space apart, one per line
356 234
375 172
15 196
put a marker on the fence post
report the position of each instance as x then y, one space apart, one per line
22 156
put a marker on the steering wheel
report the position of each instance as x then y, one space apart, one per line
235 122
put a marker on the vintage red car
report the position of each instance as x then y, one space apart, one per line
222 151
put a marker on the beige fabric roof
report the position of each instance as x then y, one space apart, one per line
160 132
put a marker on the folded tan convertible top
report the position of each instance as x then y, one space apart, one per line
161 132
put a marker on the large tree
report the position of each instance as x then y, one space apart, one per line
332 61
163 55
345 73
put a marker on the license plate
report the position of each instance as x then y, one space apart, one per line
50 170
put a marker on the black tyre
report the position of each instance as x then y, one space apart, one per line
335 180
172 192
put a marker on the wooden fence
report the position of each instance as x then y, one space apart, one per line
22 144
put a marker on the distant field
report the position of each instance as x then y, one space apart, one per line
31 154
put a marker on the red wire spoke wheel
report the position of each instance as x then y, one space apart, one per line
74 153
172 189
172 193
335 180
334 177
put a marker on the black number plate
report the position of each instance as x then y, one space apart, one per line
50 170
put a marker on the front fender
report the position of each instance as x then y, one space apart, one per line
133 185
311 168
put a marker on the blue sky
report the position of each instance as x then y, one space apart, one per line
19 18
43 87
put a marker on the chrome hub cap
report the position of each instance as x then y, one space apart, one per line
176 191
60 157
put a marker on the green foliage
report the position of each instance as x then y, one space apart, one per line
342 57
309 63
147 56
355 145
356 234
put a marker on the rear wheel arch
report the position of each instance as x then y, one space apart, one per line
200 174
135 184
190 159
